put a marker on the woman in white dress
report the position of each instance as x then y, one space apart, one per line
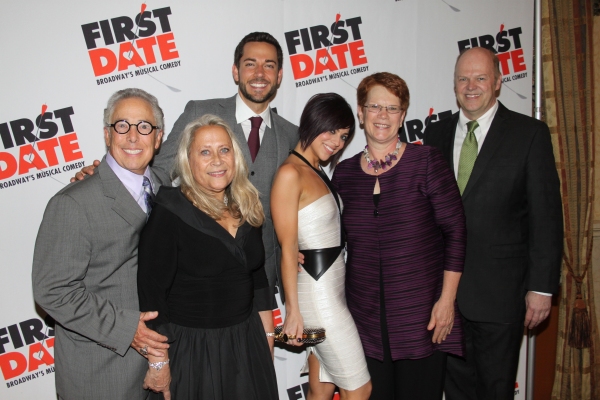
306 214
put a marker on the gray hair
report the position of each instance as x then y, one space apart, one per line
134 93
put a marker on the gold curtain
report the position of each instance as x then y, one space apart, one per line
567 57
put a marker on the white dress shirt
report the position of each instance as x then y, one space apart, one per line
243 113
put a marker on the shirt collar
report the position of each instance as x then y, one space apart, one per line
132 181
484 121
243 112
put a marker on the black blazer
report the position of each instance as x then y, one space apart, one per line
514 216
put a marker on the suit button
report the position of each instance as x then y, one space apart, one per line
252 173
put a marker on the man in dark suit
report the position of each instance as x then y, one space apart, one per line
85 260
505 169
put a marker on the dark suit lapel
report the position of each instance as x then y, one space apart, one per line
493 139
123 202
448 141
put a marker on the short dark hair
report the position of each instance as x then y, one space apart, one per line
257 37
392 82
325 112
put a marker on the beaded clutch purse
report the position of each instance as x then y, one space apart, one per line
310 335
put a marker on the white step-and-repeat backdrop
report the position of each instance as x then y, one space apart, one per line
61 61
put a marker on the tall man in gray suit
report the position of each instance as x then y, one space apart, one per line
257 70
85 260
506 174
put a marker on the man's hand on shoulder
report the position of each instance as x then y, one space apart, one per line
89 170
538 308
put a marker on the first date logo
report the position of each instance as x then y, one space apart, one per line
506 44
327 52
117 44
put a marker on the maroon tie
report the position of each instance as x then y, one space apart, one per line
254 138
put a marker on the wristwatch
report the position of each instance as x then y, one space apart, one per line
158 365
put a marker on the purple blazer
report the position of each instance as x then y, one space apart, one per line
418 233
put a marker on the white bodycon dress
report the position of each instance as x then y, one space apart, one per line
323 303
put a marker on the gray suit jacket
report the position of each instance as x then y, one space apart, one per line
85 277
275 147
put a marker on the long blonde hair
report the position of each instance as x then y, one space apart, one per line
244 202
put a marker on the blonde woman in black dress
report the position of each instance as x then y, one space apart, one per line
201 266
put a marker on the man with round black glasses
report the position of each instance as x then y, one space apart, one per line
85 260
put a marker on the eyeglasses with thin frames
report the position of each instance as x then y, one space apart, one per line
376 108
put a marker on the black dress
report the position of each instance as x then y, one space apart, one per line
207 287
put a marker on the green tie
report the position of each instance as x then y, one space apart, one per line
468 154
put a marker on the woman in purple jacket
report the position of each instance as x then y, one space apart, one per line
405 228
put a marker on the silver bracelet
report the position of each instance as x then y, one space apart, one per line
270 334
157 365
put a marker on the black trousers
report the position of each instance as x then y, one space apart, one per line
420 379
490 368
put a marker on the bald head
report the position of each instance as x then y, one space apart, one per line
481 52
476 80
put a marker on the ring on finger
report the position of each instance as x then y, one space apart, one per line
291 337
144 350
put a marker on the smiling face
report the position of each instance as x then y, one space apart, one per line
381 127
475 84
212 160
132 150
328 144
258 75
